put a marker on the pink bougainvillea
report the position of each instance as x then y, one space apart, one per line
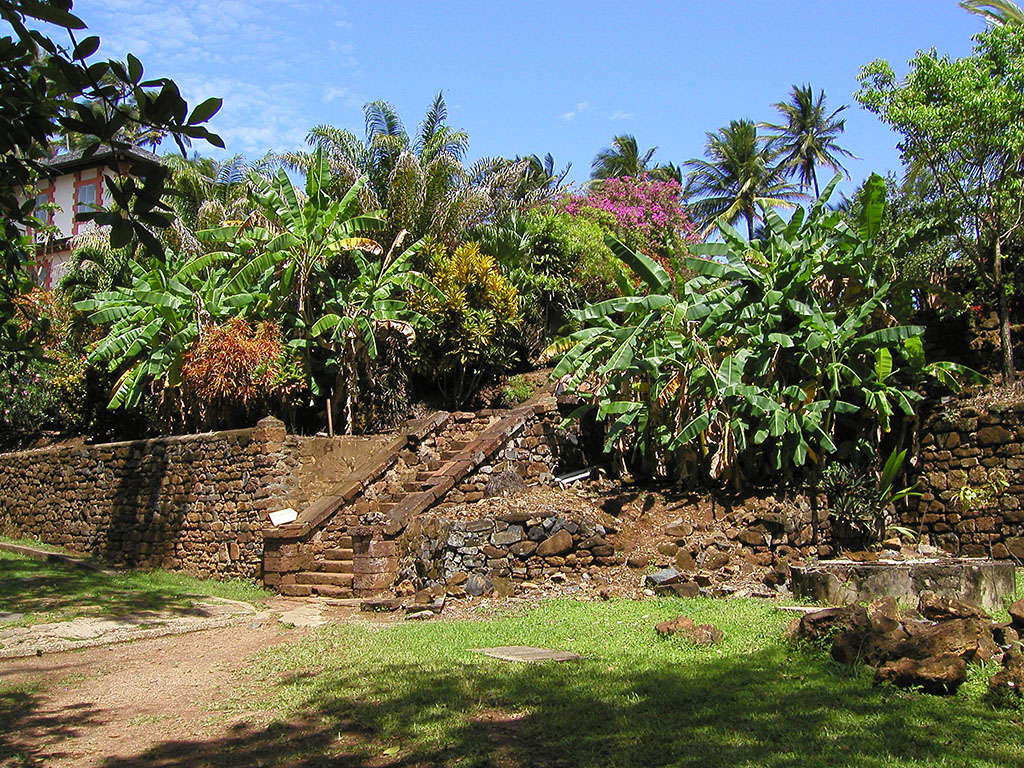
649 210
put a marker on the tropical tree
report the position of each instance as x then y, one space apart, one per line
739 177
779 354
421 180
807 136
960 119
997 12
358 315
45 86
622 158
292 239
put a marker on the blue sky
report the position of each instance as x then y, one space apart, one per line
527 77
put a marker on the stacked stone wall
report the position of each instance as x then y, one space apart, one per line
197 503
971 475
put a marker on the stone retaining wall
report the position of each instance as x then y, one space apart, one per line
197 503
977 448
515 546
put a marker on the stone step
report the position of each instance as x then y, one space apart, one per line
320 578
338 554
333 566
296 590
327 590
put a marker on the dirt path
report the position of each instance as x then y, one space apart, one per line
83 709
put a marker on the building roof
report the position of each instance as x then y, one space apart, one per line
69 161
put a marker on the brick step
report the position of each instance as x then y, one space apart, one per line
320 578
338 554
296 590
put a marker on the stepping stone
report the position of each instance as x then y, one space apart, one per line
527 654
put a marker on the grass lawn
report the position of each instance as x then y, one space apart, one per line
46 592
414 694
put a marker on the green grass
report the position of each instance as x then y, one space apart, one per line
415 694
47 592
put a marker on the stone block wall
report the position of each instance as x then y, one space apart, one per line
197 503
516 546
980 448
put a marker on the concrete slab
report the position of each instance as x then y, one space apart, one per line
527 654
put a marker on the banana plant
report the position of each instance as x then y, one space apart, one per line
290 240
359 309
781 352
153 322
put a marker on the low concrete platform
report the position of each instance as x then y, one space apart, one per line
977 581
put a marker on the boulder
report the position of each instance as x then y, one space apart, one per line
1017 615
872 648
638 561
558 544
884 615
679 529
1005 635
941 675
1010 678
821 625
523 548
478 585
940 608
970 639
684 626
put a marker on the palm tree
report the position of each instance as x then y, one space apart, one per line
623 158
420 180
739 175
999 13
807 136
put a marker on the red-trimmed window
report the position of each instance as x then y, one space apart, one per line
45 215
87 198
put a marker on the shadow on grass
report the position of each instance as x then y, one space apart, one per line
32 586
737 710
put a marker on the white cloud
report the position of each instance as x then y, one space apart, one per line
581 107
620 115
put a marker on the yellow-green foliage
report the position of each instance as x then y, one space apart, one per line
472 320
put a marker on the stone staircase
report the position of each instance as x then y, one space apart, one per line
345 545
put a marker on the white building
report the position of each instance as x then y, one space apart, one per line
75 184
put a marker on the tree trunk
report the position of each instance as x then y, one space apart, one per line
1005 338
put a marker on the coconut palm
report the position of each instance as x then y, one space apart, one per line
739 175
807 136
999 13
622 158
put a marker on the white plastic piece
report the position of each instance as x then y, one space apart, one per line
283 516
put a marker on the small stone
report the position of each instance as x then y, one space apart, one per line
638 561
419 615
478 585
662 577
684 626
